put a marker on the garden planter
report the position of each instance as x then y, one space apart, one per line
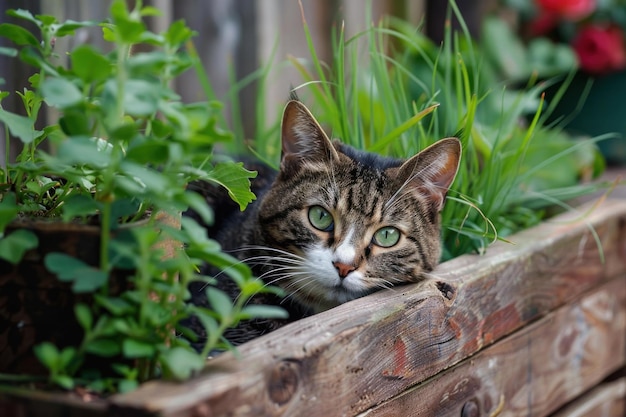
523 330
601 112
35 306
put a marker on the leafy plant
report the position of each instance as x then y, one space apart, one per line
390 90
122 151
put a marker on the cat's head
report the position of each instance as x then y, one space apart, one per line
344 223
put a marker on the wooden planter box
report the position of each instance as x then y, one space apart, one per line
536 328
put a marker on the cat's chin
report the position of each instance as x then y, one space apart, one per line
327 297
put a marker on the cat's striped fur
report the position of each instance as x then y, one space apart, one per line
371 201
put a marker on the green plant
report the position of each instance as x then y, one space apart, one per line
123 150
390 90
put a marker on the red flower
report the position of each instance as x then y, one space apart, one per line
567 9
600 49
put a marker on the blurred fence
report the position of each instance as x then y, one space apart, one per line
237 36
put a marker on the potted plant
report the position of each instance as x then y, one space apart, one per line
95 258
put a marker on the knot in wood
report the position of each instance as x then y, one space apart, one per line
446 290
283 382
470 409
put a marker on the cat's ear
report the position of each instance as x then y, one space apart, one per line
432 171
303 139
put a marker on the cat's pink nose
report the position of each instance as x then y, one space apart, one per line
343 269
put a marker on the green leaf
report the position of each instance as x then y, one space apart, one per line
127 385
19 126
103 347
147 177
141 97
79 206
69 27
124 207
89 64
48 355
236 179
115 305
220 302
64 381
75 123
67 356
61 93
199 205
180 363
128 28
149 152
132 348
262 311
81 151
34 57
46 19
24 14
15 245
8 210
85 278
178 33
18 35
84 317
11 52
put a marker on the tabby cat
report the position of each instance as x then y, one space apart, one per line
334 223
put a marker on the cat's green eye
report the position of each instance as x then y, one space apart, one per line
321 219
386 237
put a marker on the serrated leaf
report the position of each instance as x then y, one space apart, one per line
84 277
236 179
132 348
15 245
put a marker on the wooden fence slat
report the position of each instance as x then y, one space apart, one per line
333 363
606 400
531 372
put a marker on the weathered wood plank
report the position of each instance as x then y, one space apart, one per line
534 371
606 400
365 352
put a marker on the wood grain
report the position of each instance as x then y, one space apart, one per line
534 371
606 400
363 353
